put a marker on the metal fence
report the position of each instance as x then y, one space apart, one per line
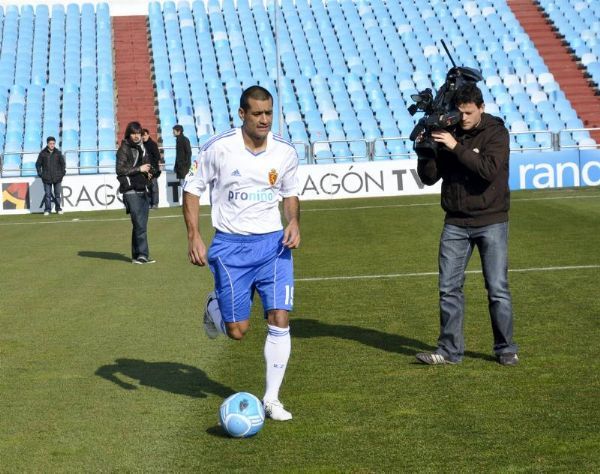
308 153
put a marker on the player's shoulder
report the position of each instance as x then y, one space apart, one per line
282 141
219 139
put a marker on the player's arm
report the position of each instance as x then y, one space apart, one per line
291 212
196 246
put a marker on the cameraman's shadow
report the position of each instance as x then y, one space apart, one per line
171 377
309 328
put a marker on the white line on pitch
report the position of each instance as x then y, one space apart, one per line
422 274
321 209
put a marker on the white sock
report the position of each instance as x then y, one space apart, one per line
278 346
215 314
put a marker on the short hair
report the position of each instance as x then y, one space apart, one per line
145 131
132 127
50 139
256 93
467 94
178 127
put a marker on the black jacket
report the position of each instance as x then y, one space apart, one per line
474 175
130 157
183 156
154 156
51 166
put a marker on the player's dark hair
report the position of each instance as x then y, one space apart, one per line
178 128
132 127
145 131
468 94
50 139
256 93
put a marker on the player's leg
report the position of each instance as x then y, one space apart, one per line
275 284
228 307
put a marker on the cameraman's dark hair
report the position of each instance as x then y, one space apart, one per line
132 127
145 131
178 128
467 94
256 93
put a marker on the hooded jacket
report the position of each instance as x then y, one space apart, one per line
50 166
130 156
474 175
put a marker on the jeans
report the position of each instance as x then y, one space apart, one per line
154 192
49 196
456 248
138 205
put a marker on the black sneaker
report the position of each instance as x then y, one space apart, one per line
144 260
508 358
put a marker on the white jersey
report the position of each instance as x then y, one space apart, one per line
244 187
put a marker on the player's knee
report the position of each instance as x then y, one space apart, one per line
236 331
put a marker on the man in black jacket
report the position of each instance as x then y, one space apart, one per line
473 166
183 153
51 168
134 172
156 161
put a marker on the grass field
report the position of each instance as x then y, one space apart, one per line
104 365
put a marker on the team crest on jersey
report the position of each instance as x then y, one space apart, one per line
273 176
193 168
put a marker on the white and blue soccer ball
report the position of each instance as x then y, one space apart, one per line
242 415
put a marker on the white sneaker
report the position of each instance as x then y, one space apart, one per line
60 212
46 213
209 325
274 410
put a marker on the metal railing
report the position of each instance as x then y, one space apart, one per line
310 151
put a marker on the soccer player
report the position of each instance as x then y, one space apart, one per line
247 170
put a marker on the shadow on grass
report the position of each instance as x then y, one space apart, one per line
217 431
104 255
171 377
309 328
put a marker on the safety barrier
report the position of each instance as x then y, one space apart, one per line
308 152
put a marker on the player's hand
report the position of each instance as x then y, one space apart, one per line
291 236
445 138
145 168
197 251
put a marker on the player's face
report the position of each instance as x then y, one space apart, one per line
258 119
51 145
471 115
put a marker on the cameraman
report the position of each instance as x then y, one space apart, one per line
473 166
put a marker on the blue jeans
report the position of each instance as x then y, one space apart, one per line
49 196
456 247
138 205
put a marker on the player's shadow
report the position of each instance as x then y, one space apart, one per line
171 377
309 328
104 255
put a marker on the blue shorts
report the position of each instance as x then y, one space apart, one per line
242 264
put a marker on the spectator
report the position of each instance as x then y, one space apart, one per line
157 163
51 168
134 172
183 154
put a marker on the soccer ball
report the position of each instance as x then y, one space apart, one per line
242 415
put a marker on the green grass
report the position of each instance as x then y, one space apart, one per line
104 365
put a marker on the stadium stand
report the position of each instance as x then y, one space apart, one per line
348 69
56 78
